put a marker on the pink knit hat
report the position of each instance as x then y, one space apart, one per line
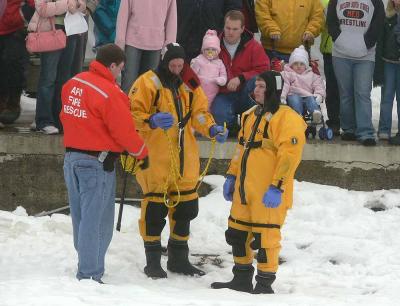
211 40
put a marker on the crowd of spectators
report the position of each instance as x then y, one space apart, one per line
358 42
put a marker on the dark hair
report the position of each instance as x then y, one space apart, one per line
110 53
235 15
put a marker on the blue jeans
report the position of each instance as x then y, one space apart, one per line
298 103
227 105
91 195
355 85
391 87
55 70
137 62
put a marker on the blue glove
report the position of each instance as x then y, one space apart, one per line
273 197
229 187
219 132
161 120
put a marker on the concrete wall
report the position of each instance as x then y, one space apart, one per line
32 175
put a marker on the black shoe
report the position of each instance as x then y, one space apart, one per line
178 259
369 142
242 279
264 282
153 268
348 136
395 140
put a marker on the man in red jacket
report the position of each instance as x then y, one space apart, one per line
244 58
13 56
97 127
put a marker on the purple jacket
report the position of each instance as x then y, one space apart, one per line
146 25
306 84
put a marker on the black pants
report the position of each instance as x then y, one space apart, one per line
14 60
332 92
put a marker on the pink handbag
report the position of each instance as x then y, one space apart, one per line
53 40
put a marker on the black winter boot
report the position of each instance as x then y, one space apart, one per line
178 259
264 282
242 279
153 268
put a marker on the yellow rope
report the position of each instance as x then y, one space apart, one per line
210 157
173 175
131 165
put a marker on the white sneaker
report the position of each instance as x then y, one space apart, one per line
32 127
50 130
383 136
316 117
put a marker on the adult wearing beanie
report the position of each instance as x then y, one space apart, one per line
259 184
166 105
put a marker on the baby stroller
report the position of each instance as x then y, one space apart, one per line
324 132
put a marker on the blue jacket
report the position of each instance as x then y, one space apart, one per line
105 19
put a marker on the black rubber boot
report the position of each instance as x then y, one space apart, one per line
264 282
178 259
153 268
242 279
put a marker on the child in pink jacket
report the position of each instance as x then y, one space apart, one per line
208 67
302 88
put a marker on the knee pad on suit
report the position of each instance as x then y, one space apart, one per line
155 218
183 214
237 239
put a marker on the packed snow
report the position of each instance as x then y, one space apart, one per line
337 251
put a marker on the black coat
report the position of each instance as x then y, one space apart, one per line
387 49
195 17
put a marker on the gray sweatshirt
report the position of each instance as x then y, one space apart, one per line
355 26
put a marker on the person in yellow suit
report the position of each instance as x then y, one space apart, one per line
285 25
166 105
259 183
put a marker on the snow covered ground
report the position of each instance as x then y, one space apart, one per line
337 252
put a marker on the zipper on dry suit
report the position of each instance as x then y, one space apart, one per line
243 165
181 131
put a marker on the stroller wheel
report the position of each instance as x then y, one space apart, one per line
322 133
329 134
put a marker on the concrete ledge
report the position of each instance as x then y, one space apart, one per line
383 155
31 166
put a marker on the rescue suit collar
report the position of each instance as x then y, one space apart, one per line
99 69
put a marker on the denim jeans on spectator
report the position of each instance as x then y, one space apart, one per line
355 85
332 92
91 194
391 87
279 55
55 70
137 62
226 106
300 103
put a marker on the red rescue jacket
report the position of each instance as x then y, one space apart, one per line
95 114
249 60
